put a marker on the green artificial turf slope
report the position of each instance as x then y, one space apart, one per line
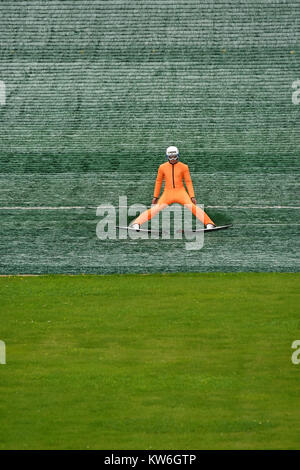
175 361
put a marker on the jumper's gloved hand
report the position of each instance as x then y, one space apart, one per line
154 200
193 200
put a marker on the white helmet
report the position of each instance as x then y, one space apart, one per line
172 152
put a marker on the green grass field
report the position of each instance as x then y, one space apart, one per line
175 361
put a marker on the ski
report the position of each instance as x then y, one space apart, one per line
220 227
157 232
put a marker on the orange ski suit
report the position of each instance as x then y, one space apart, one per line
174 191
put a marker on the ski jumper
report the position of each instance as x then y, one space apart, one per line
174 192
